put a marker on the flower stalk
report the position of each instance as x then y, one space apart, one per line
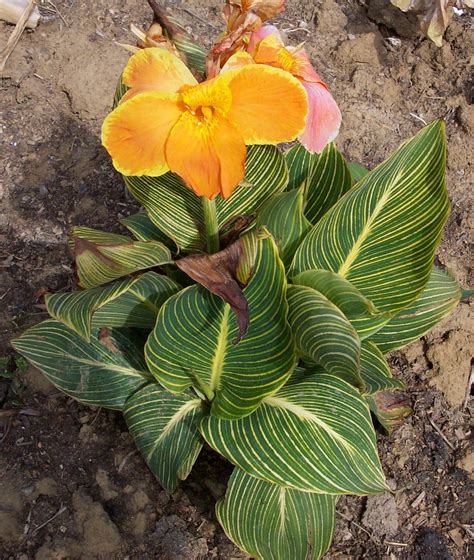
211 225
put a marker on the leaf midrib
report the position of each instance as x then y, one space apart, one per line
221 349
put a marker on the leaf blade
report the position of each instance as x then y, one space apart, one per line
270 522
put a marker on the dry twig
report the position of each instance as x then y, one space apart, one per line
16 34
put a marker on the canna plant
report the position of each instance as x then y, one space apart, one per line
254 301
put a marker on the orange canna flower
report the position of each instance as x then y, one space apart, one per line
168 121
324 117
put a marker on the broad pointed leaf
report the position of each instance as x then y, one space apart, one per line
323 333
101 257
193 341
314 436
324 177
438 299
143 229
177 211
375 371
284 217
134 302
100 372
165 429
75 309
139 305
271 522
382 235
360 311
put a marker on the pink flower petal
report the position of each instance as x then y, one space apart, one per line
262 33
324 118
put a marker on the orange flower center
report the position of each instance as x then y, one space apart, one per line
205 99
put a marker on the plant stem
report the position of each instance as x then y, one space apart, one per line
210 222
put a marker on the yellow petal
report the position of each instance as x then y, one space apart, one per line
208 153
269 105
155 69
135 133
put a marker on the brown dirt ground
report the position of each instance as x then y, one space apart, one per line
71 483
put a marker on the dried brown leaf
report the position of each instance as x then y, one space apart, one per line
433 15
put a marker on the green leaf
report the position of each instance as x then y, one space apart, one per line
323 333
360 311
375 371
165 429
438 299
193 341
76 309
134 302
382 235
324 177
143 229
102 257
271 522
99 372
139 305
314 436
357 171
177 211
284 217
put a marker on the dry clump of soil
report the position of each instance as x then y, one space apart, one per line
71 482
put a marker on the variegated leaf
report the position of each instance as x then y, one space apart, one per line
102 257
375 371
323 333
165 429
314 436
438 299
382 235
193 342
272 522
284 217
102 372
324 178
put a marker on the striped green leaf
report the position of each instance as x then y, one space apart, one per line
323 333
375 371
438 299
96 372
178 212
357 171
102 257
193 341
76 309
139 305
382 235
143 229
324 178
314 436
283 216
360 311
165 429
272 522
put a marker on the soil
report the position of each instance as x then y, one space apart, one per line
72 484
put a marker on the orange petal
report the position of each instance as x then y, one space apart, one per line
237 60
135 133
155 69
324 118
208 154
269 105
